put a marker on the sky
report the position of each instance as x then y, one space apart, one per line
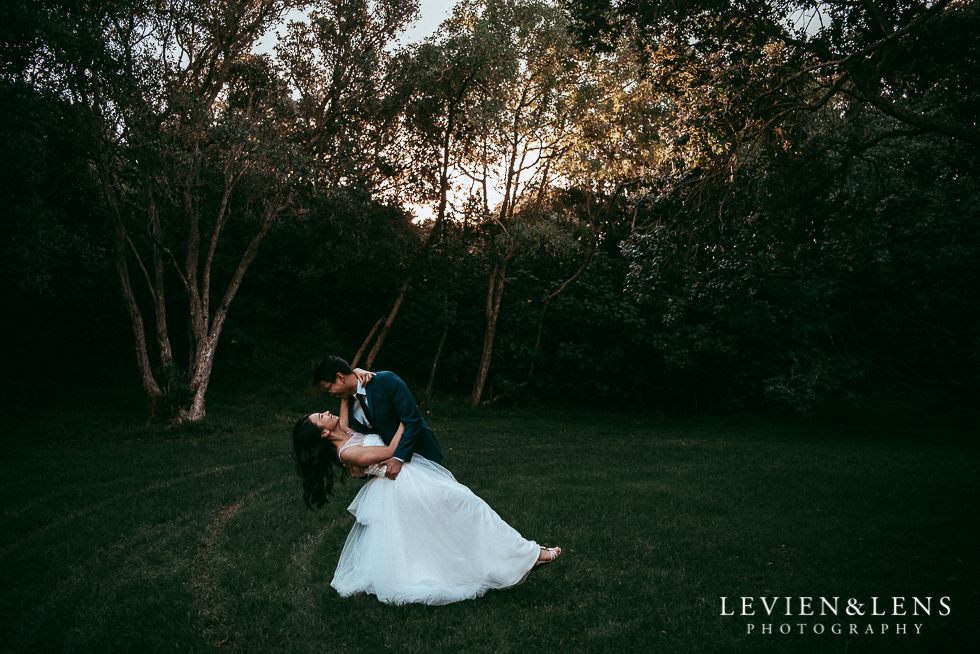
433 12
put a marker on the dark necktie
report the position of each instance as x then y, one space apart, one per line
362 400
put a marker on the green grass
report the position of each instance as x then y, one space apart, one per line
119 537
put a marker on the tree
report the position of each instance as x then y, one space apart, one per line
196 142
740 73
517 132
790 127
444 82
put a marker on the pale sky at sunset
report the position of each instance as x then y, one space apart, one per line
433 12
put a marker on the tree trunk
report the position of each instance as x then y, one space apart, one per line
206 335
367 341
435 362
204 361
435 359
495 293
121 239
537 341
159 294
391 318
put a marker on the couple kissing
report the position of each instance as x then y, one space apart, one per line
419 535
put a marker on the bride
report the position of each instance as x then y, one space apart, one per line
423 538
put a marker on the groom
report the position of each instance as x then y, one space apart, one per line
378 408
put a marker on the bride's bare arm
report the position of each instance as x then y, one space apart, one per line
344 413
365 456
364 376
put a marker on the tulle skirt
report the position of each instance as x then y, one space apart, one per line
426 538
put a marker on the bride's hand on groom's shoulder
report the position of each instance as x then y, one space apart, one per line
364 376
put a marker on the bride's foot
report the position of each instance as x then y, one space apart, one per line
547 555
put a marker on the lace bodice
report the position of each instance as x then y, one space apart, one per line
366 440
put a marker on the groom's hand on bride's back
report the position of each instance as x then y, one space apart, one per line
392 468
355 471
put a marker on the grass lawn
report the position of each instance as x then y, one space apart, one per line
119 537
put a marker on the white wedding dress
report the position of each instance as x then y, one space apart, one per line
426 538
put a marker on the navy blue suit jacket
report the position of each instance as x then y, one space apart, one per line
389 403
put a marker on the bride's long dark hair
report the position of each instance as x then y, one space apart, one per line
315 458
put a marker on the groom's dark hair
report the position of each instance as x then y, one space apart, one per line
327 370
